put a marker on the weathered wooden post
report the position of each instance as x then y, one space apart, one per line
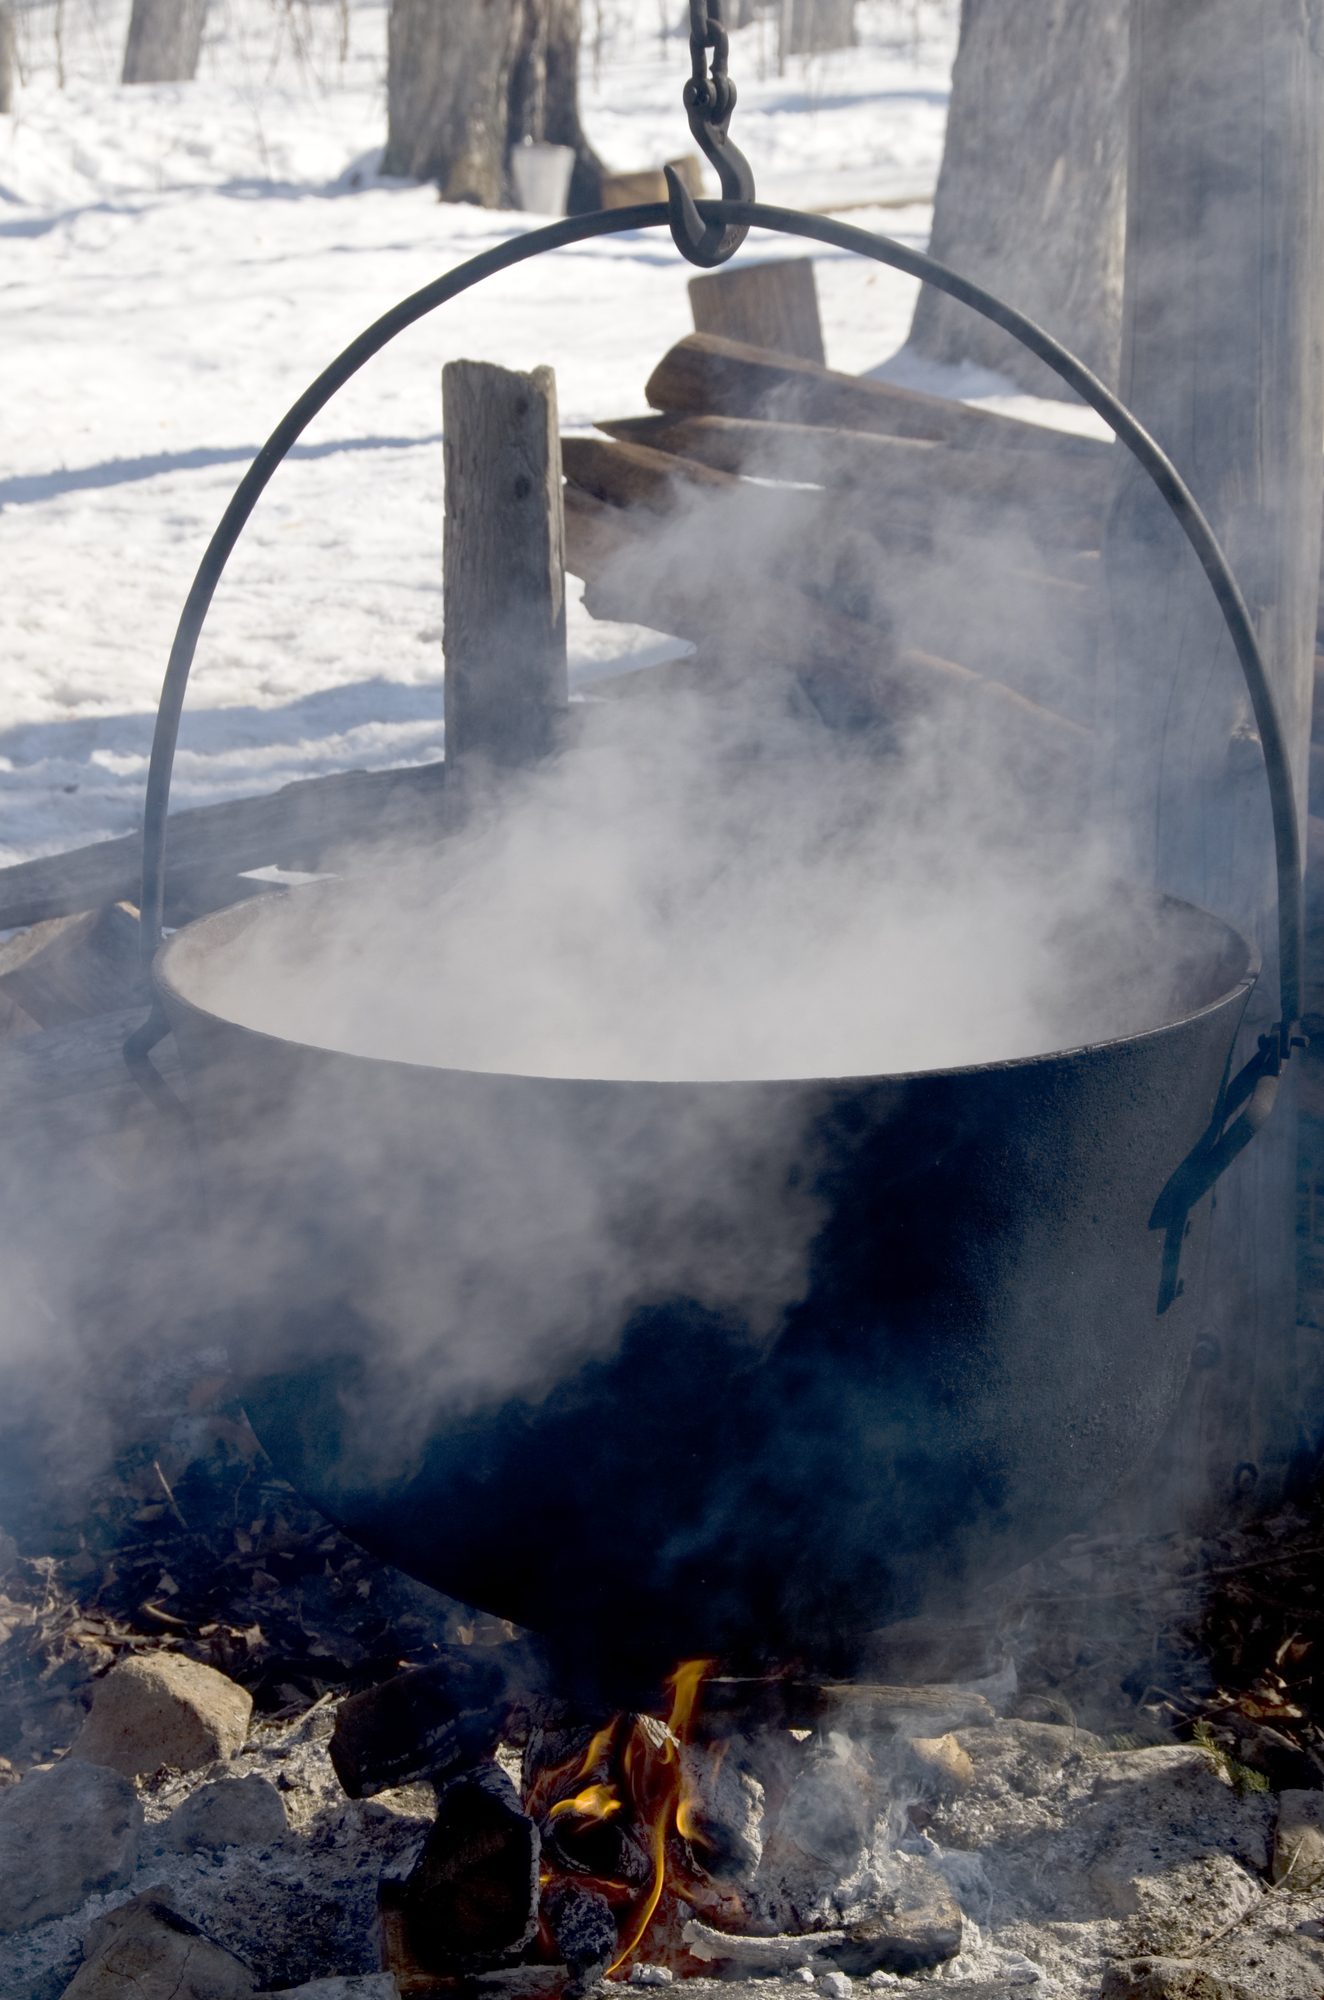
1223 358
503 583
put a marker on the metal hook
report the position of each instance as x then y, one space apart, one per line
709 107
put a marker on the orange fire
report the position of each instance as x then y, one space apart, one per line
663 1763
646 1754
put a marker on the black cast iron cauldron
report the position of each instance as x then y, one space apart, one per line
992 1325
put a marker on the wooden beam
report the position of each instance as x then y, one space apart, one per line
70 967
72 1083
635 475
1021 625
772 304
704 375
1064 499
503 573
1223 361
784 629
303 825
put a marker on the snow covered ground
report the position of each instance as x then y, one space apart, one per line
179 261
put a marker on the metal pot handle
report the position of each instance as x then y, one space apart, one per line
839 236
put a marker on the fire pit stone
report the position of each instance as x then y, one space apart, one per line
148 1949
65 1833
164 1710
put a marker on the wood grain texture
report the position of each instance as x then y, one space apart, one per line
773 304
785 628
164 41
1031 197
304 825
503 573
1223 358
706 375
1061 499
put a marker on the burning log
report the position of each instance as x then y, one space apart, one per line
584 1930
720 1815
428 1723
704 375
472 1899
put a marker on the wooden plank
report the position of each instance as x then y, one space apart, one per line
634 475
784 629
301 826
773 304
503 570
70 967
705 375
1222 360
1064 498
1017 623
72 1082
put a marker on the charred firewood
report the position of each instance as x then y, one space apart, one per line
584 1928
431 1722
472 1899
721 1815
602 1847
919 1927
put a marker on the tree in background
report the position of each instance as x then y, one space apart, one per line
467 80
1031 198
8 58
165 41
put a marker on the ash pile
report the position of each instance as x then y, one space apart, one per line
321 1780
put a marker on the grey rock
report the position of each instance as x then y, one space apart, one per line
229 1812
1298 1842
66 1833
1167 1979
162 1710
146 1951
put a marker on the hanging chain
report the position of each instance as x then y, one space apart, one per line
713 94
710 98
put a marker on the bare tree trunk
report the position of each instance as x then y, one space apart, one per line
468 80
8 58
561 102
165 41
809 27
1223 361
1031 198
448 77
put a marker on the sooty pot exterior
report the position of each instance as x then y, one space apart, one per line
667 1369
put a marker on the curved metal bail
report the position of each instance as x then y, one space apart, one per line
710 243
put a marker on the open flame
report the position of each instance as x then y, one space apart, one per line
636 1775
